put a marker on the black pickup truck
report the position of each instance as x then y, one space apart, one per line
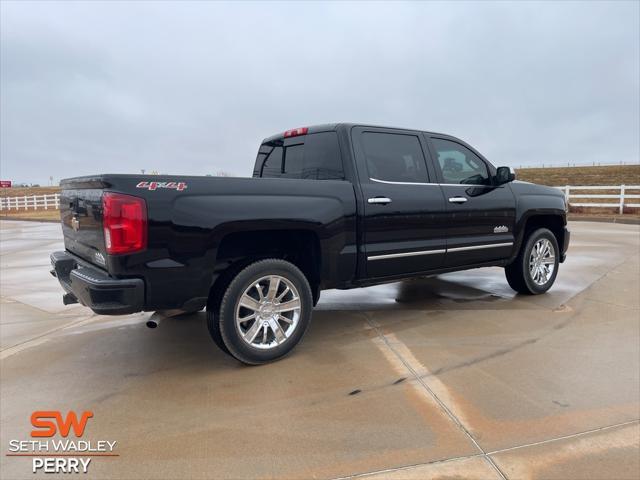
330 206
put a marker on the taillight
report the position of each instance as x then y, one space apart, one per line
296 132
124 219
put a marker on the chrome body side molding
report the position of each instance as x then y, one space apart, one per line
443 250
405 254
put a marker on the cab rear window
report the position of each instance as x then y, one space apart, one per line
313 157
272 162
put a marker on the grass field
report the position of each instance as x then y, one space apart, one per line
608 175
51 214
589 176
41 214
22 191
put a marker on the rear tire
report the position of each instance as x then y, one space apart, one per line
214 330
264 312
213 306
535 268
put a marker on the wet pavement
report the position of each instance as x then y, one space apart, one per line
453 376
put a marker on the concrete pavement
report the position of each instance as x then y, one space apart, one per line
447 377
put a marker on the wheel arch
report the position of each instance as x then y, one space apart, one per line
552 220
236 250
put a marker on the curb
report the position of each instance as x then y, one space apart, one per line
44 220
612 219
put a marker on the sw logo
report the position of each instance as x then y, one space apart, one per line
49 422
62 454
47 428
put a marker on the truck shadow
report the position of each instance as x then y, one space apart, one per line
342 316
433 293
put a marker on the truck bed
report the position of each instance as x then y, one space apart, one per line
189 218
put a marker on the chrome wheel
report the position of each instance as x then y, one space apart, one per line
268 312
542 261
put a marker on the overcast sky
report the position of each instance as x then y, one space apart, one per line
192 88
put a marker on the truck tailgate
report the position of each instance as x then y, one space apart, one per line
81 215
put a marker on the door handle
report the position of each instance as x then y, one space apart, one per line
379 200
457 199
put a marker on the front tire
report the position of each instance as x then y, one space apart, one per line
265 311
535 268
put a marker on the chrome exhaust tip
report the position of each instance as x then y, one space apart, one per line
152 323
154 320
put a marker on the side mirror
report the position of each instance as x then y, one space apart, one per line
505 175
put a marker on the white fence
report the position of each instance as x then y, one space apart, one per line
31 202
577 164
618 200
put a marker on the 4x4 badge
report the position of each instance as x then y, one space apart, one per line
179 186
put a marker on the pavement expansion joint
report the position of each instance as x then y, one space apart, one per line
426 387
488 454
408 467
38 340
565 437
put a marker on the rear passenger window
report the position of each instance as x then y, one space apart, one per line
322 159
317 158
394 157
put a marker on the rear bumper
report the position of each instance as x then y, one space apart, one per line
565 244
94 288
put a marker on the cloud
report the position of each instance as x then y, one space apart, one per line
192 87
